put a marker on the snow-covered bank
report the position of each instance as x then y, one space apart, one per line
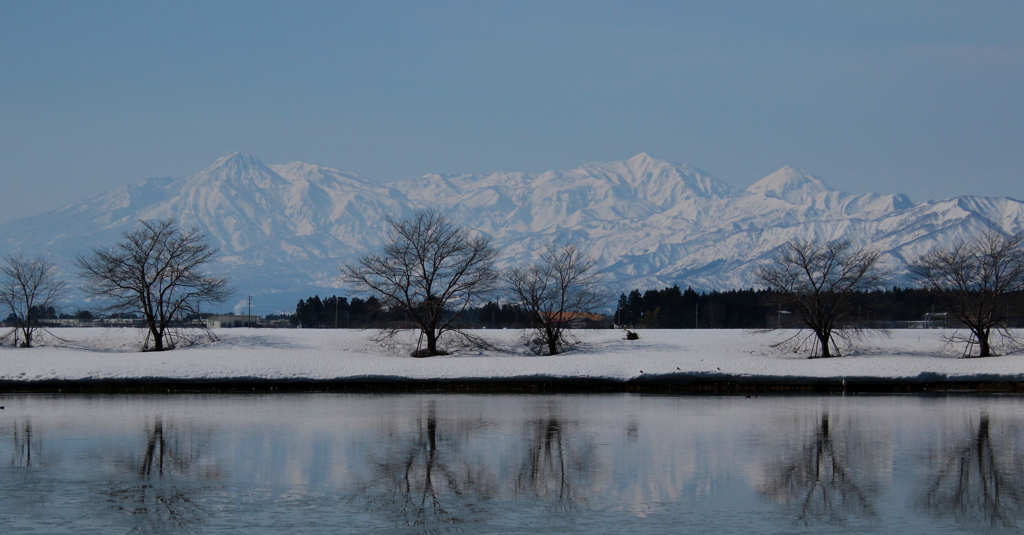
910 356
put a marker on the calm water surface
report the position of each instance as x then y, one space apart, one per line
326 463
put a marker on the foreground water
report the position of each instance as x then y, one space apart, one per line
329 463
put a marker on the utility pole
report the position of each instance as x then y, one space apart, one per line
335 312
248 321
696 314
778 322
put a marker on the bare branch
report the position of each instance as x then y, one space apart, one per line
555 292
980 281
819 284
429 271
30 286
156 271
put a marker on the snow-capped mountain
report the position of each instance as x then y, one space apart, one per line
653 223
283 230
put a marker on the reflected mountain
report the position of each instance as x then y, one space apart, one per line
819 479
429 462
979 481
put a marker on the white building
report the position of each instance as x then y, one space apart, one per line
231 320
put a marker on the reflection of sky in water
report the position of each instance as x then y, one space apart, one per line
588 463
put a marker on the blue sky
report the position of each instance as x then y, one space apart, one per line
923 98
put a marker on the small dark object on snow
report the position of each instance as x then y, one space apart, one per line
632 335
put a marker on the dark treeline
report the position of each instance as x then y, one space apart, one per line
672 308
498 316
668 308
35 313
341 313
336 312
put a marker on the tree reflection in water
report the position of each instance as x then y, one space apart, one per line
977 481
819 479
428 483
554 468
440 473
154 504
24 447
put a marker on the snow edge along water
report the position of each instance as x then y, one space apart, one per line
101 360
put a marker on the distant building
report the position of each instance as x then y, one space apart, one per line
576 320
935 320
90 322
231 320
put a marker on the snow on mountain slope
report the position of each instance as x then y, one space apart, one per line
791 185
278 233
283 230
654 223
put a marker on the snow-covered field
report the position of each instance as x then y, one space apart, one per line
686 355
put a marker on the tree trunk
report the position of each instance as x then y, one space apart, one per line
431 343
551 338
158 339
552 345
984 349
824 338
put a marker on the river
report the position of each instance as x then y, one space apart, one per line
439 463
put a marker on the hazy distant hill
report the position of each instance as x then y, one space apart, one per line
284 229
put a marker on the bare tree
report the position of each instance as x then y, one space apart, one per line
556 291
979 280
820 284
155 270
430 271
30 285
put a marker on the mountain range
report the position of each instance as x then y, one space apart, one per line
283 230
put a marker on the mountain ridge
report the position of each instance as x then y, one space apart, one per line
284 229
